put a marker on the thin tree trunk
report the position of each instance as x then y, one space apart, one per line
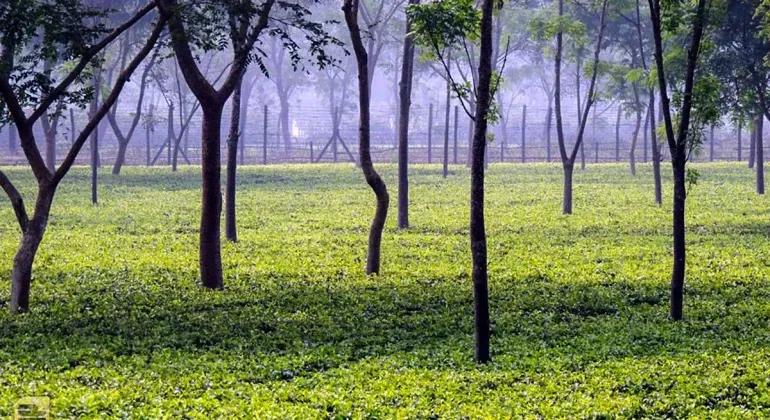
446 127
753 147
548 118
478 234
232 162
617 134
350 9
677 276
405 103
632 154
740 140
655 152
760 160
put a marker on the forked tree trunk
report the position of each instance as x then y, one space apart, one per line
231 232
21 274
405 103
566 203
350 9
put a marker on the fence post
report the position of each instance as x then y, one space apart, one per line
264 136
430 133
524 134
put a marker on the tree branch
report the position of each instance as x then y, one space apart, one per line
16 201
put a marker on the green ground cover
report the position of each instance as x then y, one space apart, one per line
118 327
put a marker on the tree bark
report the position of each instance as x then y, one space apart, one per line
446 127
21 273
478 236
632 153
568 159
753 147
405 103
211 202
655 152
760 159
231 232
350 10
677 276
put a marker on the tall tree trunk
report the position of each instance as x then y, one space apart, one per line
566 202
753 147
405 103
446 127
350 9
211 205
760 160
478 234
632 153
548 119
95 142
655 152
232 161
677 275
740 140
617 134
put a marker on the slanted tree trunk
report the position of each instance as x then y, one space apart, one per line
405 103
95 141
350 10
632 153
232 162
33 229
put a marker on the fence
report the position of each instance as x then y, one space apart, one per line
521 136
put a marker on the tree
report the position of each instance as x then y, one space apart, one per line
568 159
441 25
124 138
350 10
687 137
405 102
21 86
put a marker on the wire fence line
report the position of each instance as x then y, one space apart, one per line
521 137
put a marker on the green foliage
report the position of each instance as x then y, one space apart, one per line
118 327
445 23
